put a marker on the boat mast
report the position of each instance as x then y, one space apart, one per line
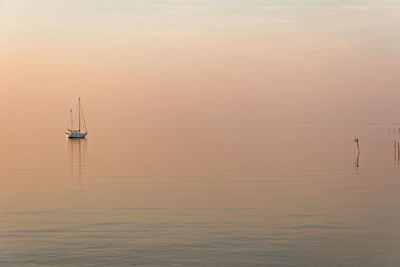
79 101
72 120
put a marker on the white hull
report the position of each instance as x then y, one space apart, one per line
76 135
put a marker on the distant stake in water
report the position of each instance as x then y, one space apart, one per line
358 146
358 153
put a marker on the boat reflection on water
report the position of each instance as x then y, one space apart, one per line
76 156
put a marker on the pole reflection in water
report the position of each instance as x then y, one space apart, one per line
76 156
357 160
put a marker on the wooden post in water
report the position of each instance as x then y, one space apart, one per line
394 150
358 153
358 146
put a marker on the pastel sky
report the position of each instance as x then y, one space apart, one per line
168 62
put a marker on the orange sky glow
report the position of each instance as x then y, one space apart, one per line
199 62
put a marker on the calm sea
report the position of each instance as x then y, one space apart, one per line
200 196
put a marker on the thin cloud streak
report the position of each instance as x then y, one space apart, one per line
174 62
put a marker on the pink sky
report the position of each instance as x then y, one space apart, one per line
199 62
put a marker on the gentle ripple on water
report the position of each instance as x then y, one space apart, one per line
204 196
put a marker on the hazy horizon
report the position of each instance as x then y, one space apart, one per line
199 62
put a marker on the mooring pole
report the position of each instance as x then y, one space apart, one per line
358 146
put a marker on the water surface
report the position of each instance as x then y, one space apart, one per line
200 196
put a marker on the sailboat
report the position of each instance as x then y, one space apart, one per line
77 133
